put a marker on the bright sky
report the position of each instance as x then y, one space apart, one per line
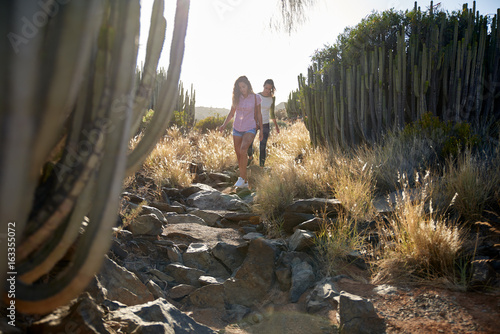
230 38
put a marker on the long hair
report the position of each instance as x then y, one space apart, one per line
270 82
236 89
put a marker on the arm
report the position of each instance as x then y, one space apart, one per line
272 116
258 120
228 118
276 125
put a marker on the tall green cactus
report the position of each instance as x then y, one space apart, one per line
293 106
70 83
448 64
185 108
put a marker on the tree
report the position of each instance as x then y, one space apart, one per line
291 14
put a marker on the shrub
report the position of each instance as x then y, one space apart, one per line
395 155
181 119
418 244
449 139
211 123
422 145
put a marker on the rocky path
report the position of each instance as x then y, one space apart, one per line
199 262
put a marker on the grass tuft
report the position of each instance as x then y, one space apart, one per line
216 151
473 182
337 239
417 244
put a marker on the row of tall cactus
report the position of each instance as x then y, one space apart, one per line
446 64
293 106
69 105
184 112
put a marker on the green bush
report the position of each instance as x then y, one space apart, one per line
181 119
211 123
448 139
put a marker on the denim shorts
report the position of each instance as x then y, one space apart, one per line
241 133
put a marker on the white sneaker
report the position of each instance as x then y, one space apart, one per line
240 183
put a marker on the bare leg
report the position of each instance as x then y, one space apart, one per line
237 145
241 145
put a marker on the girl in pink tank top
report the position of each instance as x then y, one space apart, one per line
247 115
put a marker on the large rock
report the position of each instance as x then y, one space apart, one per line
189 233
250 217
185 219
219 177
214 199
158 316
146 224
122 285
180 291
253 280
146 210
210 217
209 296
301 240
231 256
83 316
356 315
185 275
302 279
322 295
315 205
174 254
155 289
198 256
315 225
165 207
292 219
196 187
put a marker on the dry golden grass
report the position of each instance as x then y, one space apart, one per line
275 191
417 244
216 151
473 182
353 183
291 143
337 239
168 163
294 170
